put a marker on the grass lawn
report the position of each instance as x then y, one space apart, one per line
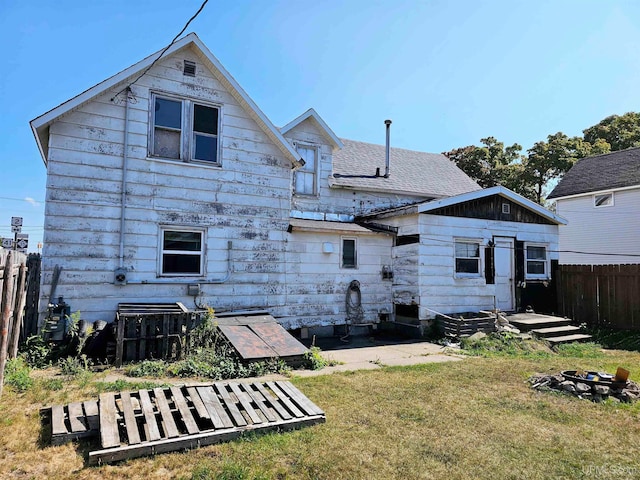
472 419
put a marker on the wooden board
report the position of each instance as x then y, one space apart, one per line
197 416
248 345
274 335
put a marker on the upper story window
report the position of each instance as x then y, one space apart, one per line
184 130
305 178
603 200
181 252
536 262
467 254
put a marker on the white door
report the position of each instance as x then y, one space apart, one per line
504 261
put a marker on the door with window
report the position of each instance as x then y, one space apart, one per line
504 262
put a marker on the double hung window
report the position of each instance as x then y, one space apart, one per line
467 258
305 178
184 130
536 262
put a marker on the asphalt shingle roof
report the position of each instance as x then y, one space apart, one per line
410 172
602 172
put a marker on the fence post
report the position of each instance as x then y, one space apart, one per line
7 286
18 313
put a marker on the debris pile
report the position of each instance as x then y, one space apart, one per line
594 386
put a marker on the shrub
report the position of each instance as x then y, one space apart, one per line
314 360
37 352
74 365
147 368
17 375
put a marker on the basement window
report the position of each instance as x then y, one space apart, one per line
184 130
182 252
467 253
305 178
536 262
603 200
349 253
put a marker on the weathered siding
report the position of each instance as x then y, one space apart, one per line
600 231
246 200
317 285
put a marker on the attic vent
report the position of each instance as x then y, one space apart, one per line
506 208
189 68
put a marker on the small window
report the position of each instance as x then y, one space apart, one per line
182 252
467 258
537 264
603 200
200 124
506 209
305 177
349 253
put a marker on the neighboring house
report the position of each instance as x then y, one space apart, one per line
187 192
600 198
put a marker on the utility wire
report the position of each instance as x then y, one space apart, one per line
164 50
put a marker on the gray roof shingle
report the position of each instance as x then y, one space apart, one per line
410 172
602 172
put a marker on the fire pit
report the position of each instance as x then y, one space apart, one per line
594 386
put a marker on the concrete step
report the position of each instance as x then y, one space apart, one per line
530 321
555 331
576 337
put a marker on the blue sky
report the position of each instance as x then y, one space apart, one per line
446 72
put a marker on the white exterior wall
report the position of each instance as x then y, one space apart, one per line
441 291
613 229
247 201
317 285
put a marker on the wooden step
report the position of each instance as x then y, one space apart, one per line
576 337
555 331
530 321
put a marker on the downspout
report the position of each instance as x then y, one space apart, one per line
387 160
125 162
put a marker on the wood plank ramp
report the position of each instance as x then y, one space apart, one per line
147 422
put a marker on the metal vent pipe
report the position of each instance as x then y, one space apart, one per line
386 158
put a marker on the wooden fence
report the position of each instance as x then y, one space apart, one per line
13 280
600 295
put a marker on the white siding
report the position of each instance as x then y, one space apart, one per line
599 231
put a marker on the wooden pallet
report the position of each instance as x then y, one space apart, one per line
146 422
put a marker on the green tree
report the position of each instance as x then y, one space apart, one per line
619 131
547 161
490 164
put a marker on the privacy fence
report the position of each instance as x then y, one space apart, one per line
600 295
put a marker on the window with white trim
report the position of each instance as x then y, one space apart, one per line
183 129
305 178
603 200
181 252
467 258
536 261
349 253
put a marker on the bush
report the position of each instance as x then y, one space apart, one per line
314 360
37 352
17 375
74 365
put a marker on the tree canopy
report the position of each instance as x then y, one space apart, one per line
547 160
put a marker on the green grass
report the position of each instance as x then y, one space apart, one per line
473 419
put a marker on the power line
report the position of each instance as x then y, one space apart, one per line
164 50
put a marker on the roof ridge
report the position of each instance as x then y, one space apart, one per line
391 146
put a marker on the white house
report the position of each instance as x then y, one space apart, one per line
167 183
600 198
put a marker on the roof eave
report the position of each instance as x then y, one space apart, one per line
311 113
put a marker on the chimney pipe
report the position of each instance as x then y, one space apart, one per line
386 158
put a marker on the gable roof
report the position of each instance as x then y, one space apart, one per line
40 125
413 173
487 192
324 128
603 172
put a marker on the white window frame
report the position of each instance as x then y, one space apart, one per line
596 195
355 252
547 262
480 258
187 134
316 150
162 251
